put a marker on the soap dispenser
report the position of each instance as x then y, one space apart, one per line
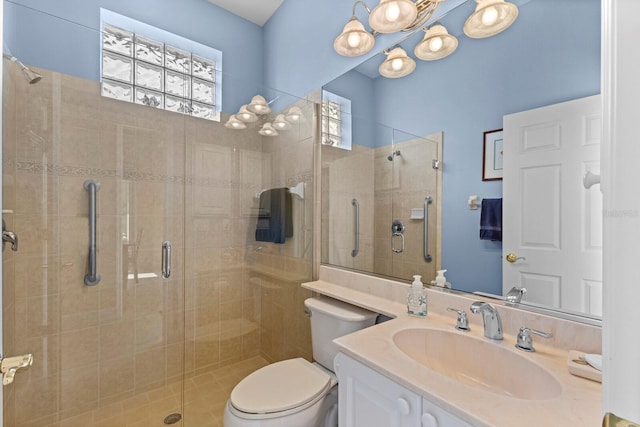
441 280
417 298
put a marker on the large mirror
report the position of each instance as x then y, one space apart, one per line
551 54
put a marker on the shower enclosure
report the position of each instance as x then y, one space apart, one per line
158 335
381 202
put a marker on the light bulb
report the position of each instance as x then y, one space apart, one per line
396 64
244 116
392 12
435 44
489 16
354 39
235 124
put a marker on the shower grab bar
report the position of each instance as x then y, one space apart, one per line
92 277
427 202
166 259
356 234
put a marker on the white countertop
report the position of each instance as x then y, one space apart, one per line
578 404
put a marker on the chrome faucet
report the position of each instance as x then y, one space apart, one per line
491 319
515 295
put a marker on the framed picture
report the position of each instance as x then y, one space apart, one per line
492 155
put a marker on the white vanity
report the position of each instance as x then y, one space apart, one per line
423 372
368 398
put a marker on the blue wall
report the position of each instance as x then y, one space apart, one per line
63 35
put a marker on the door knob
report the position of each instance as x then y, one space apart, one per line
513 257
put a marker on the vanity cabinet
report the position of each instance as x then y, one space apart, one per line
367 398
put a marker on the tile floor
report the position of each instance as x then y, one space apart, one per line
204 399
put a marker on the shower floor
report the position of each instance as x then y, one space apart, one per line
204 399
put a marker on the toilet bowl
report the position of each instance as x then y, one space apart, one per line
296 392
293 392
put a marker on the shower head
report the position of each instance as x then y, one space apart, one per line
393 154
31 76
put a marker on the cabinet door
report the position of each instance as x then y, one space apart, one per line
367 398
434 416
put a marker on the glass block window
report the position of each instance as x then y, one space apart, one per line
151 67
331 123
336 120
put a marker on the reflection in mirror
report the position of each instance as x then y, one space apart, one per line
374 200
463 96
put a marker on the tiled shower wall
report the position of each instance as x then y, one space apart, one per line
400 186
163 177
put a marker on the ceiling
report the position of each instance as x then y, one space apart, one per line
256 11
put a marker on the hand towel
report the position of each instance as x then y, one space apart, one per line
491 220
274 217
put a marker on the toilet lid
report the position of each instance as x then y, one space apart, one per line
279 387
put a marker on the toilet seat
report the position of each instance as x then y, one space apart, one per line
282 387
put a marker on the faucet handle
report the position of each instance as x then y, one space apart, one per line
515 295
524 341
462 323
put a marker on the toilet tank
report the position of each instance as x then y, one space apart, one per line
331 319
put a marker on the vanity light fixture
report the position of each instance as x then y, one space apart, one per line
490 18
397 64
280 123
259 105
246 116
436 44
294 115
354 40
268 130
389 16
235 123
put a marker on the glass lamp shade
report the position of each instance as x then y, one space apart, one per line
294 115
268 130
280 123
390 16
245 115
235 123
354 39
490 18
259 105
397 64
436 44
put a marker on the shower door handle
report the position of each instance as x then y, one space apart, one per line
427 256
166 259
92 277
356 226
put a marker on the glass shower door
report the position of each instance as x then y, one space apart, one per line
111 352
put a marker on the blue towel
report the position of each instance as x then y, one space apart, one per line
274 216
491 220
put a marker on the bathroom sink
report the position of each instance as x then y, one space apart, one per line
478 363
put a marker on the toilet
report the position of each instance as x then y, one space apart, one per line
296 392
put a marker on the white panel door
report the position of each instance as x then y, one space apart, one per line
551 222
